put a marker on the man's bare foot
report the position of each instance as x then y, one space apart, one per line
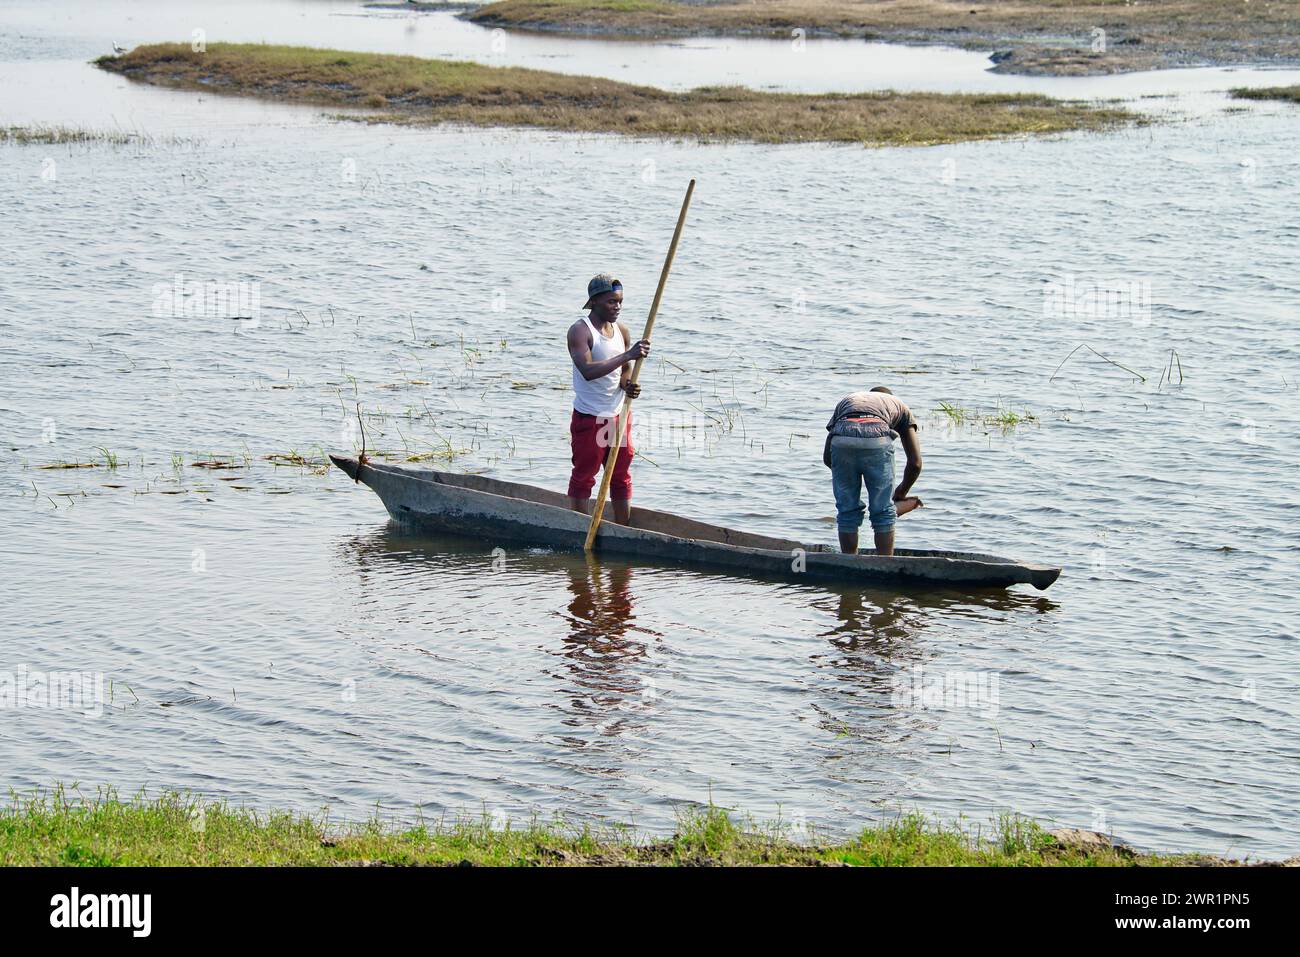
905 505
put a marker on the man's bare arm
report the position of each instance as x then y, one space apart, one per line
912 446
625 380
580 352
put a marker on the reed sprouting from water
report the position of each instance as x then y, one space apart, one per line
1084 345
1172 368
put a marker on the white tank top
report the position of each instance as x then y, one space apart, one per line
600 396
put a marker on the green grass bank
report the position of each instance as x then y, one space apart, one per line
59 828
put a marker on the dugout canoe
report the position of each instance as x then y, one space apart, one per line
499 512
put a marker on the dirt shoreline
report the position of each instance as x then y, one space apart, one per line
1044 38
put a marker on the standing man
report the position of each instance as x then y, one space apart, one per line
860 449
602 366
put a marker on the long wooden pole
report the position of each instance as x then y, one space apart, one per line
620 420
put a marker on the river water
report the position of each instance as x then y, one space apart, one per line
266 637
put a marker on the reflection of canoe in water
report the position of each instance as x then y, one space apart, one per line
499 512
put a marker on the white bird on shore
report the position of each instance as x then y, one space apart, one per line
118 50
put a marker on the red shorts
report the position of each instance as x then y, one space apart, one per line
592 437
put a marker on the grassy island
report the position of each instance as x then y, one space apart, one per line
413 90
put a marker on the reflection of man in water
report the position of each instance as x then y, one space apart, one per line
600 652
598 612
862 620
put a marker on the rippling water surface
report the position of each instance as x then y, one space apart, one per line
269 638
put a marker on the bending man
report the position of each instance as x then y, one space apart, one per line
860 450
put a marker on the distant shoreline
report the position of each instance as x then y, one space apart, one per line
416 90
1048 40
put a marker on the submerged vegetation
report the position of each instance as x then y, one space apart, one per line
1001 417
59 135
55 135
61 829
413 90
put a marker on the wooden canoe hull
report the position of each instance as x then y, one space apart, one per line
495 511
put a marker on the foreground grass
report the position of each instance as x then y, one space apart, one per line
414 90
1044 36
1287 94
178 830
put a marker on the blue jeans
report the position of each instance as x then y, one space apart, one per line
851 467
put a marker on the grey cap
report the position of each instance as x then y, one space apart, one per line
603 283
